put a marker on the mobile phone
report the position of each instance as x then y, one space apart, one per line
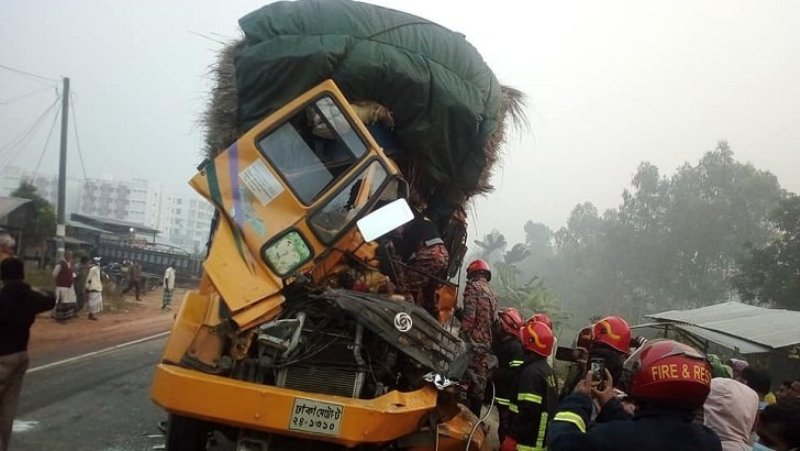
565 354
597 366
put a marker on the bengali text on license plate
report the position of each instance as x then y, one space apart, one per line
316 417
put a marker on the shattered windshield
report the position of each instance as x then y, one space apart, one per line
345 206
313 148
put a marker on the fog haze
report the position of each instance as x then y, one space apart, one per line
609 84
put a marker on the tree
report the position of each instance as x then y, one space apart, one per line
42 226
517 254
772 273
492 246
538 238
529 297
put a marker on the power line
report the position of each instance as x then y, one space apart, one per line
22 140
24 96
77 137
22 72
28 130
46 142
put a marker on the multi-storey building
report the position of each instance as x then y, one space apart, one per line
189 220
183 220
46 186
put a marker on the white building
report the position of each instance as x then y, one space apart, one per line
184 220
188 222
46 186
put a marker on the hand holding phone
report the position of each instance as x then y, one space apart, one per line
597 366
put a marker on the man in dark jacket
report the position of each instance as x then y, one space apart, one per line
507 347
19 305
668 380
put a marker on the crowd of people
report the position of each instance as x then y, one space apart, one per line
620 393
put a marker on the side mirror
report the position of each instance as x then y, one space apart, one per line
384 220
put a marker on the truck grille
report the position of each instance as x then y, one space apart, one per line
327 380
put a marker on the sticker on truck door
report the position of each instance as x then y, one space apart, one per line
261 182
316 417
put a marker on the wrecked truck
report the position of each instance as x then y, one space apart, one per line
330 124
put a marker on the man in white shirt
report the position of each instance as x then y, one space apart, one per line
169 286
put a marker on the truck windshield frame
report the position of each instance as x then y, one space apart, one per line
314 148
349 203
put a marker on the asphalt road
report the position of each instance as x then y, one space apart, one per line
100 403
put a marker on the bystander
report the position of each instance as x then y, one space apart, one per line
19 305
169 286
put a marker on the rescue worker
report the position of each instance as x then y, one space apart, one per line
507 347
611 340
480 308
669 382
536 395
544 318
426 260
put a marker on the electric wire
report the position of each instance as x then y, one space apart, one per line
77 137
28 129
481 419
46 142
31 75
24 96
23 138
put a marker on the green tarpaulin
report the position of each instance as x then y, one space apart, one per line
445 100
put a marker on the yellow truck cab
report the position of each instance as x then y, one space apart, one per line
275 348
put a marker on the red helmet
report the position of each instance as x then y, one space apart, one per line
613 331
537 337
542 318
668 372
479 265
510 320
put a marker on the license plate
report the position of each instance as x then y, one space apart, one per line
316 417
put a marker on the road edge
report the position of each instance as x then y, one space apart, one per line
94 353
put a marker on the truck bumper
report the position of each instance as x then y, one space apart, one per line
270 409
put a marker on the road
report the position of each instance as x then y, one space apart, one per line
98 403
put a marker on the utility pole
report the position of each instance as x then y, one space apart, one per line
61 227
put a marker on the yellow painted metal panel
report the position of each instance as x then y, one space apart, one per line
268 408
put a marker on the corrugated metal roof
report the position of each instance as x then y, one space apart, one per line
775 328
728 341
9 204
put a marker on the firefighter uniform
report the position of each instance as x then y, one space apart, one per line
510 355
426 260
653 429
534 403
480 307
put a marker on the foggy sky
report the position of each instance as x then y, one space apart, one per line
609 84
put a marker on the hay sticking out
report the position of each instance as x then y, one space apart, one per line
219 118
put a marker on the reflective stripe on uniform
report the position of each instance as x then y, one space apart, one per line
503 401
530 397
571 417
515 363
513 407
529 448
542 431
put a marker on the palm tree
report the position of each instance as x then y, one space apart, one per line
517 254
492 244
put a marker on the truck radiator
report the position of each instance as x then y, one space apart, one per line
339 381
338 370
